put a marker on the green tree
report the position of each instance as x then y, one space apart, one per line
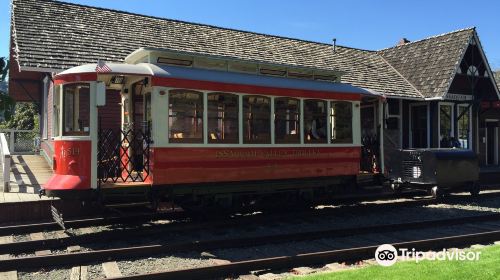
6 102
4 68
25 117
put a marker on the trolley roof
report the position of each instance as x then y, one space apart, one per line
197 74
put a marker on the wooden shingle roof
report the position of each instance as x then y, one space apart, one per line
430 64
53 36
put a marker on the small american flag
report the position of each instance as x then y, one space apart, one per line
102 67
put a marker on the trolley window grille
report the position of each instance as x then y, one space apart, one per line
123 156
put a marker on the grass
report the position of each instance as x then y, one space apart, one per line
488 267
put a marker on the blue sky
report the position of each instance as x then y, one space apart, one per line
362 24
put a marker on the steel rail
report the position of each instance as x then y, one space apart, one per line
139 251
352 254
349 204
86 222
154 230
30 245
176 226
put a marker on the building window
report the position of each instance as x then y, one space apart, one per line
256 119
464 126
473 71
341 122
76 109
185 116
315 120
223 118
286 120
393 107
445 126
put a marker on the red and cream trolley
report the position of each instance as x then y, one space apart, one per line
194 129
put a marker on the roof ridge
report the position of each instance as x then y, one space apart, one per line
13 46
357 49
186 22
404 78
430 37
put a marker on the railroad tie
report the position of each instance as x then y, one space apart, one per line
86 230
5 240
39 236
61 234
111 269
8 275
79 273
220 261
70 249
249 277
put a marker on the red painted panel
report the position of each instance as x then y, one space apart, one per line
72 165
193 165
215 86
71 78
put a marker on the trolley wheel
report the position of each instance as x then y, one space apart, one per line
475 188
437 193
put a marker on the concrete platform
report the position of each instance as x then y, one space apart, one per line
28 174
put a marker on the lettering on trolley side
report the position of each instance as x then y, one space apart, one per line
270 154
70 152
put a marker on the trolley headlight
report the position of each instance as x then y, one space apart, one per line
416 171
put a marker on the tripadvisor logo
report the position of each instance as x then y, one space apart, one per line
387 255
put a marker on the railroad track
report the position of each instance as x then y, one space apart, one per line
276 263
81 258
385 201
77 259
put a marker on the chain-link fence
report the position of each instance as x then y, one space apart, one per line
22 141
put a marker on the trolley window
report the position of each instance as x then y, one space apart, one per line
286 120
341 122
315 121
76 109
185 116
223 121
256 119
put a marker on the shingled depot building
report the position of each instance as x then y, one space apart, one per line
440 90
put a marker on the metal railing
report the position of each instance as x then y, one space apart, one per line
22 141
5 161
